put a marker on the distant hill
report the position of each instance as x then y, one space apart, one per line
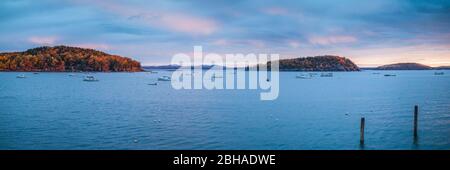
64 58
161 67
442 68
317 63
324 63
404 66
176 67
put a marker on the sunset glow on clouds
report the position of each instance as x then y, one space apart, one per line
332 40
369 32
42 40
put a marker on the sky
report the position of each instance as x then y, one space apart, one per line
370 33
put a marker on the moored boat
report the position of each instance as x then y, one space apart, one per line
164 78
21 76
303 76
90 78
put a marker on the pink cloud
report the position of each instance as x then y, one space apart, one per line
221 42
276 11
327 40
187 24
250 42
43 40
167 20
256 43
93 46
293 43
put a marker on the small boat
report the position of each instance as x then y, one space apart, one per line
22 76
326 75
35 73
153 72
438 73
389 75
164 78
376 73
71 75
90 78
302 77
152 84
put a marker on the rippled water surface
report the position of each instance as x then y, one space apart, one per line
121 111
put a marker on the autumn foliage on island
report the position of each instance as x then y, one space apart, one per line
317 63
63 58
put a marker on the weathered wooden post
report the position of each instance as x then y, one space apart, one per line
416 113
361 137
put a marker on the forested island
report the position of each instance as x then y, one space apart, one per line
317 63
64 58
404 66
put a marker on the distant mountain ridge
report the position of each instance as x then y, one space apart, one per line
326 63
64 58
318 63
442 68
176 67
407 66
162 67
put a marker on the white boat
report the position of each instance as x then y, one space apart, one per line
164 78
303 76
21 76
90 78
326 75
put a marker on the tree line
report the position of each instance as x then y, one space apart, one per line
317 63
63 58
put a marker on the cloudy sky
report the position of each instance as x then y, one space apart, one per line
369 32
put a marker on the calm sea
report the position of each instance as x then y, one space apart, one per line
121 111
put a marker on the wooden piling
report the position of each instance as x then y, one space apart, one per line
361 137
416 113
